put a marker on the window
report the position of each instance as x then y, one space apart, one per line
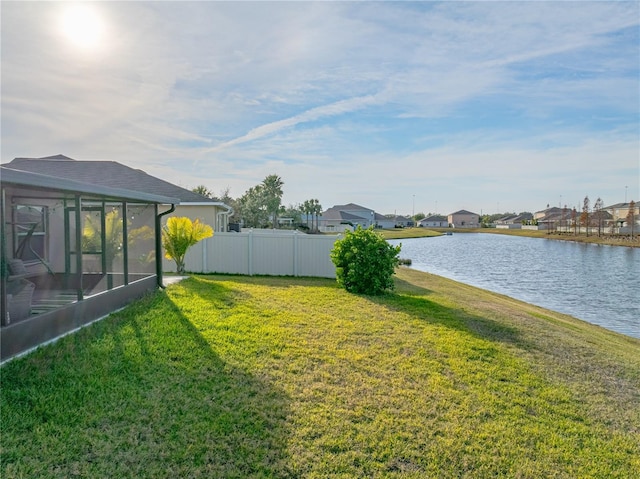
30 231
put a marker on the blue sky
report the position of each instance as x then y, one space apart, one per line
399 106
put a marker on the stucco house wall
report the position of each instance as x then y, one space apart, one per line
209 213
464 219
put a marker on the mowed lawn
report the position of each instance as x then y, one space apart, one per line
242 377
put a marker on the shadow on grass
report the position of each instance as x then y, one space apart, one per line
409 298
413 300
139 394
280 282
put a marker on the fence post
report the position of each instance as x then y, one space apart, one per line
250 252
205 247
295 253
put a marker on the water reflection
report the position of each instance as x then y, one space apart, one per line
596 283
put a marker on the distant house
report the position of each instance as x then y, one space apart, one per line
550 219
72 252
550 212
394 221
464 219
513 221
349 216
564 219
620 211
116 175
339 218
434 221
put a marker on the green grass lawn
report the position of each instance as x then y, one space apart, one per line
236 377
400 233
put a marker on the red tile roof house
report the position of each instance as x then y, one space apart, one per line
68 257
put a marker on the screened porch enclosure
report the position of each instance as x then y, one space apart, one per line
69 257
72 248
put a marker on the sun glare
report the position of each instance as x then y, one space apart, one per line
83 27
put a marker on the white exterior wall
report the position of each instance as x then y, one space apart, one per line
386 223
510 226
434 224
336 228
273 254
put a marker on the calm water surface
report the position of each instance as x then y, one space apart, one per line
596 283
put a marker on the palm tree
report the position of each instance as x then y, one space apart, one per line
204 191
306 209
113 237
272 188
92 236
316 210
179 234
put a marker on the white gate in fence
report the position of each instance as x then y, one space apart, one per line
262 252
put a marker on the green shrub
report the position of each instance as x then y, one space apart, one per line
365 262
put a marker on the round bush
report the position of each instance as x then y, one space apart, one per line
365 262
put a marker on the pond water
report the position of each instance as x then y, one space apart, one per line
595 283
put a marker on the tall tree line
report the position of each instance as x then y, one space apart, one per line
312 209
261 205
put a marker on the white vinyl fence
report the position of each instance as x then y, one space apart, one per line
261 252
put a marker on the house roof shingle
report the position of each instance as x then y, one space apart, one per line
435 218
463 212
333 214
47 182
106 173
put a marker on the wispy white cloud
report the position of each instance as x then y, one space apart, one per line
353 101
313 114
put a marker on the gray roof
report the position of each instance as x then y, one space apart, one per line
36 180
391 217
618 205
350 206
106 173
463 212
333 214
435 218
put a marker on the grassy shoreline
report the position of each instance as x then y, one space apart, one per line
230 376
594 239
